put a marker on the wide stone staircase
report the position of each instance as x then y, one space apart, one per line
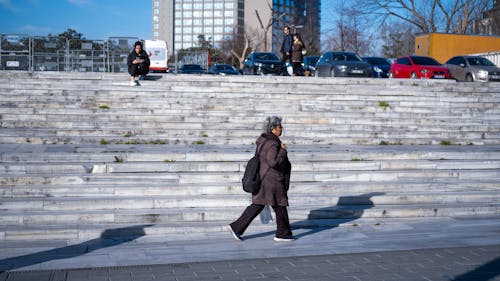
82 154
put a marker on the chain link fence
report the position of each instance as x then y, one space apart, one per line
49 53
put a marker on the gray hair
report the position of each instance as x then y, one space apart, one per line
271 122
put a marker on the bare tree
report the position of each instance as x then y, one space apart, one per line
398 39
239 45
349 35
429 15
275 17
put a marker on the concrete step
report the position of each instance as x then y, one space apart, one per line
197 204
322 217
420 112
303 188
187 177
231 166
32 153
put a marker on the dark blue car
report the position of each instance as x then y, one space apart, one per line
380 66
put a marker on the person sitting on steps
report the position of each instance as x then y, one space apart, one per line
138 63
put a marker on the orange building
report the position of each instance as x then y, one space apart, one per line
443 46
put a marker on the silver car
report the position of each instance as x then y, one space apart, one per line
342 64
473 68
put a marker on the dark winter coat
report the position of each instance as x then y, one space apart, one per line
141 68
297 51
286 46
276 182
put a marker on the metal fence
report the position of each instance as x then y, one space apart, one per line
36 53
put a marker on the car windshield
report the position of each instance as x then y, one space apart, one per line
424 61
346 57
480 61
377 61
191 67
266 57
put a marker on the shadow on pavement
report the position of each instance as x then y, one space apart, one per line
486 272
348 209
108 238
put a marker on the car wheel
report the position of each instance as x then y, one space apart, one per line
332 72
469 78
413 75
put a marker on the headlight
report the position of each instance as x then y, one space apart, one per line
377 69
424 71
482 73
342 68
258 64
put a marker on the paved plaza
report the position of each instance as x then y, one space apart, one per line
418 249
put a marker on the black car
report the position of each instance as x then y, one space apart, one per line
223 69
380 66
193 69
309 64
342 64
260 63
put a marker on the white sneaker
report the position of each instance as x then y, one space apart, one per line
236 236
132 83
278 239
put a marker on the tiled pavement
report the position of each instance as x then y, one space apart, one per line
478 263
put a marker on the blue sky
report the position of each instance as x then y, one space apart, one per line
95 19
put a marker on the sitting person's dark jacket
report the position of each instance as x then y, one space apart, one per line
141 68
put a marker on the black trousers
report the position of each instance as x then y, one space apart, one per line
297 68
283 229
282 66
138 69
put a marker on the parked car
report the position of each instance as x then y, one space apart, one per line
342 64
473 68
193 69
261 63
418 67
309 64
223 69
380 66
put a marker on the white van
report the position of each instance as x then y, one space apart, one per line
158 55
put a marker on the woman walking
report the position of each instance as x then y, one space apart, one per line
275 174
297 55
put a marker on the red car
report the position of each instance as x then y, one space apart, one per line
418 67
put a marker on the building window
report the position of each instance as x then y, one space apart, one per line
228 13
155 34
156 11
156 26
155 18
157 4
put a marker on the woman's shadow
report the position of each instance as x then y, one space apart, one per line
348 209
108 238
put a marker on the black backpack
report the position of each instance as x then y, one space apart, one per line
251 179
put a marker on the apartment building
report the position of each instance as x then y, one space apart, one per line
180 22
